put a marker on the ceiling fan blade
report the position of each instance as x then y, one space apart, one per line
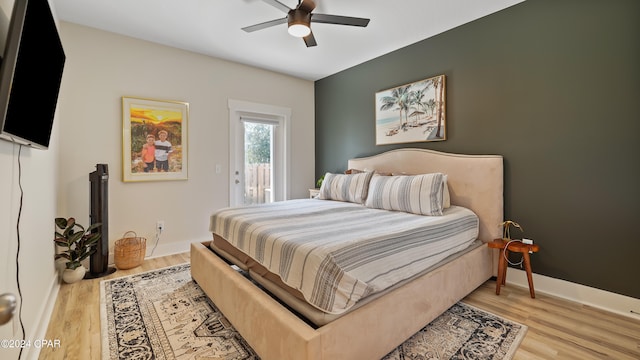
306 6
265 25
310 40
339 20
277 4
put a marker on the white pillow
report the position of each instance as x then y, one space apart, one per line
351 188
416 194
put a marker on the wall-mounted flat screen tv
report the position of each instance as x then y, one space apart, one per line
30 74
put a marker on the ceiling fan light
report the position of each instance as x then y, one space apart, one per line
299 30
299 23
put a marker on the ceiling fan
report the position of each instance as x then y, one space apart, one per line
299 20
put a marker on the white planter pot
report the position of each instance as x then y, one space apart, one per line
70 276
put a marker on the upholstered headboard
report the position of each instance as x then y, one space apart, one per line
475 181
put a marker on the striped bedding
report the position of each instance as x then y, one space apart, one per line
336 253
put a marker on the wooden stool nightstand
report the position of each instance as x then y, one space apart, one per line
513 246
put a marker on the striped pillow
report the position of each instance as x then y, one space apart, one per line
351 188
417 194
446 196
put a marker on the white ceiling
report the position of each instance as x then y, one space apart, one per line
213 27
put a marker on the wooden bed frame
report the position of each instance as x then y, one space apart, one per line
376 328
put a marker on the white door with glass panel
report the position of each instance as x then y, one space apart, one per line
258 156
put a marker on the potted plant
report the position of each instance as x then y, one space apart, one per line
78 244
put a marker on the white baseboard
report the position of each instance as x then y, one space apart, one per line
161 250
168 249
40 331
616 303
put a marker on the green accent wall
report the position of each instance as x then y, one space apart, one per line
554 87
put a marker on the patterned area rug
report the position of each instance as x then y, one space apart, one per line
163 314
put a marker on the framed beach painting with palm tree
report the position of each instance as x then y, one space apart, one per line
412 113
154 145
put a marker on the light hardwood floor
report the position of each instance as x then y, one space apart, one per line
558 329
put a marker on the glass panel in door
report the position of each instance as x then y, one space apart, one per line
258 162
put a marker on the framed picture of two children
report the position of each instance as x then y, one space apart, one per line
154 141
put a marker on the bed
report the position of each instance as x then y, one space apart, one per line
376 325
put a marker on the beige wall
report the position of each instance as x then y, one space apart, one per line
34 171
27 196
101 68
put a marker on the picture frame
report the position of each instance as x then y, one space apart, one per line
414 112
154 139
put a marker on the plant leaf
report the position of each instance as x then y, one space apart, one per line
93 226
75 237
61 223
86 255
63 256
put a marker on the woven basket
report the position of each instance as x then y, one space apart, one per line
130 251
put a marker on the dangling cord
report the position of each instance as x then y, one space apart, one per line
18 251
158 233
505 254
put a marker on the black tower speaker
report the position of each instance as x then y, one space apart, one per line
99 261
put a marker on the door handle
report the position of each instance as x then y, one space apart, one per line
7 307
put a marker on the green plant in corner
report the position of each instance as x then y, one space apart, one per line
77 242
319 181
506 228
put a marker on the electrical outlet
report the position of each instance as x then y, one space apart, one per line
160 225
